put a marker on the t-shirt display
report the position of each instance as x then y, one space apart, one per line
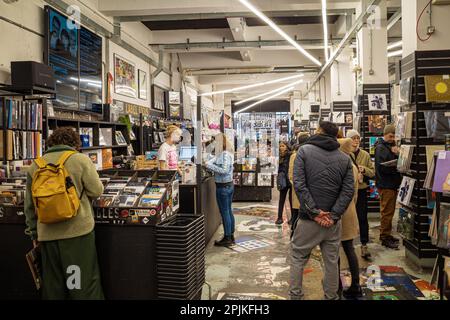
168 153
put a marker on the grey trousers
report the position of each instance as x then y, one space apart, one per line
307 235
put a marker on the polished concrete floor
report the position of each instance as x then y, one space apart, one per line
264 271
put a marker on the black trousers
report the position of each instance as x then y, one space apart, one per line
353 263
283 194
361 208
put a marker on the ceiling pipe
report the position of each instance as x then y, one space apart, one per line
198 72
347 39
160 67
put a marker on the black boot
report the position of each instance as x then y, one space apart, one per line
225 242
353 292
232 239
394 239
388 243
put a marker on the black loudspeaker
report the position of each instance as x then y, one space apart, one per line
28 74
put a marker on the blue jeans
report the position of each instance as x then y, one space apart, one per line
224 196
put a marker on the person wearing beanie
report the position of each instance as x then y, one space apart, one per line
388 180
350 227
302 137
366 171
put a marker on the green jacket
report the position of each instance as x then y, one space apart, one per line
87 183
366 162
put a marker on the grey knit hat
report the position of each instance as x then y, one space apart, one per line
390 128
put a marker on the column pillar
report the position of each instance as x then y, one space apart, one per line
341 77
439 40
372 47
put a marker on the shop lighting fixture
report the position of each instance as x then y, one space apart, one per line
255 85
325 29
279 93
395 45
271 24
267 93
395 53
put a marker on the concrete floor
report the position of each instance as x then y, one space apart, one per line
266 270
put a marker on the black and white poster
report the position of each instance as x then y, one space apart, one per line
377 102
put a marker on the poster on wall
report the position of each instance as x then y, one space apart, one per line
125 77
377 102
142 75
158 98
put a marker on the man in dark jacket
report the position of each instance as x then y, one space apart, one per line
323 181
388 180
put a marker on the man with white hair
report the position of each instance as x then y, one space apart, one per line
366 172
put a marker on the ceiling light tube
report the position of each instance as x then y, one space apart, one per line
268 93
395 53
325 29
271 24
255 85
395 45
279 93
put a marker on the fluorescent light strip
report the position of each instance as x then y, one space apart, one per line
255 85
279 93
267 93
271 24
325 29
395 45
395 53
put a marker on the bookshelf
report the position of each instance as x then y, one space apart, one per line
21 127
419 64
364 113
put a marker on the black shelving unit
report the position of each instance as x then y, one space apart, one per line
364 113
343 106
418 65
51 123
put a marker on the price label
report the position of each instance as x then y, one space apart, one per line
442 155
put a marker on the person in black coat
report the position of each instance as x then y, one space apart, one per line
388 181
283 184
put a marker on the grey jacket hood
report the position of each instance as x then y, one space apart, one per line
324 141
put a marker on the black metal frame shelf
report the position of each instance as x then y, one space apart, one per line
416 66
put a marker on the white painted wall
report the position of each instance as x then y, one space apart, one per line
440 40
24 45
341 78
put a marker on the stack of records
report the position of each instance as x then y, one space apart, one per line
180 246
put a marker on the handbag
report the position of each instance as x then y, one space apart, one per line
282 181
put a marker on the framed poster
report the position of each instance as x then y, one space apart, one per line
124 77
142 78
158 99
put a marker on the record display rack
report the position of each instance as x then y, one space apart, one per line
418 65
364 113
251 192
347 108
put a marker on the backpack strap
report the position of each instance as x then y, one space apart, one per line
40 162
66 155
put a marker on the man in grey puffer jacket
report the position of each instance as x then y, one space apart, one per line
323 181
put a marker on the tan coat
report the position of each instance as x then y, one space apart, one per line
350 226
295 201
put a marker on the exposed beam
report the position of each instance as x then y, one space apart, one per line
223 15
344 42
237 28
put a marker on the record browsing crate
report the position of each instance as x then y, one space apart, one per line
180 246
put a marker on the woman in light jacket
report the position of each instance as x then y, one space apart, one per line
301 139
350 229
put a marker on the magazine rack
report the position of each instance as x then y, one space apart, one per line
418 65
139 215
